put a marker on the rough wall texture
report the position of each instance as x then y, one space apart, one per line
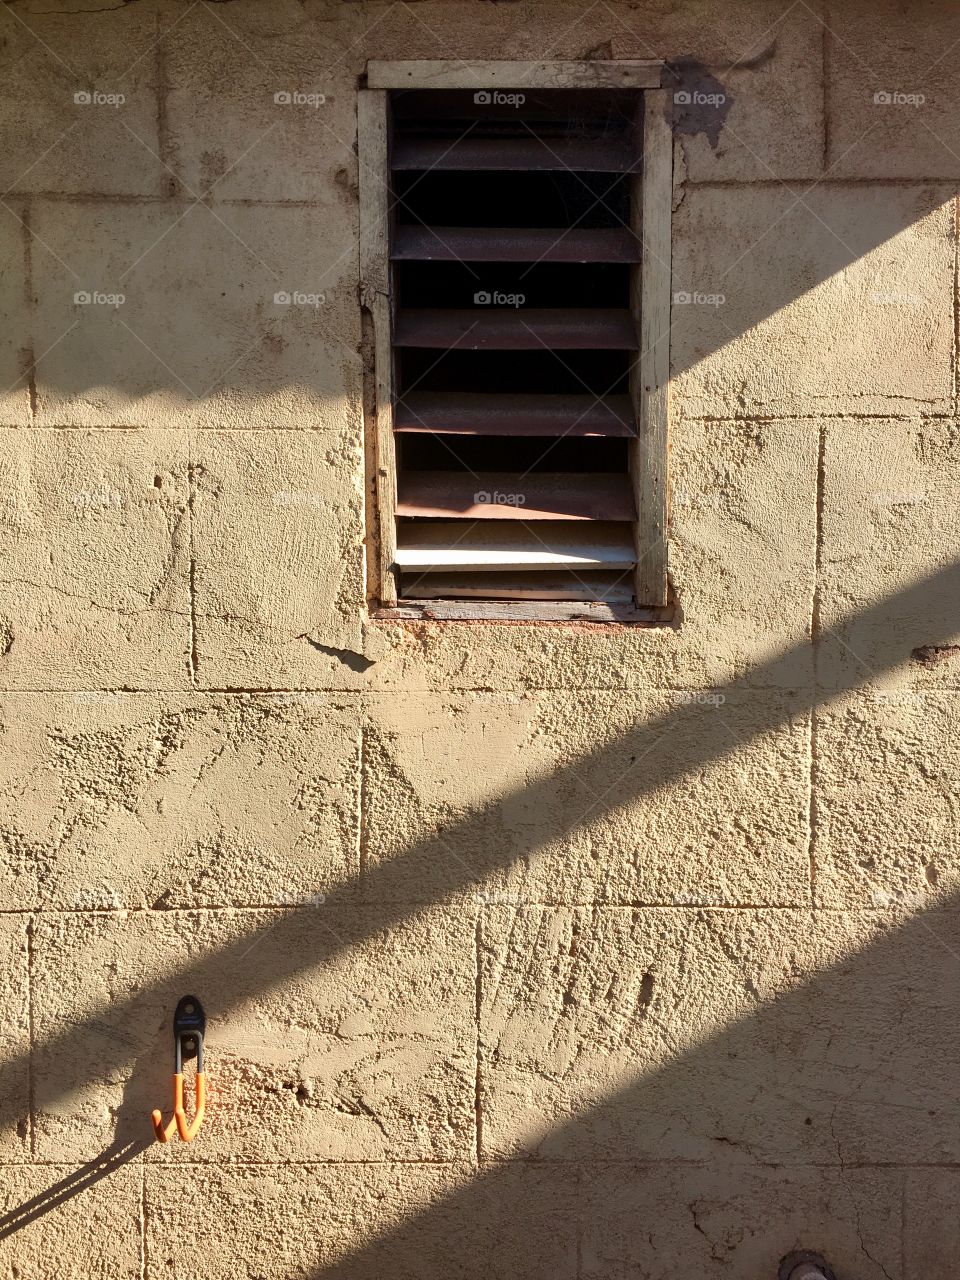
543 952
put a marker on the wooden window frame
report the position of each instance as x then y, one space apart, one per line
650 287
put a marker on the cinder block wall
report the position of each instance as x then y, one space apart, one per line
529 951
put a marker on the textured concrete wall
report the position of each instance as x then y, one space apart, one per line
544 952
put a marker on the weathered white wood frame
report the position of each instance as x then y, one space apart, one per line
651 208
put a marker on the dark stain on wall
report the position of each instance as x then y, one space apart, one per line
699 102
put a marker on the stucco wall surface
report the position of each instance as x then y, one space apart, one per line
540 952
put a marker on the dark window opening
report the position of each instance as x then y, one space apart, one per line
515 252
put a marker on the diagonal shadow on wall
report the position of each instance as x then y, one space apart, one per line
752 1081
282 947
214 346
719 1155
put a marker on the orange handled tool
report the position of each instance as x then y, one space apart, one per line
189 1025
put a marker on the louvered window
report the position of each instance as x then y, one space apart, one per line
515 228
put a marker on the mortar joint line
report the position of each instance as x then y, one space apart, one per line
815 638
143 1221
374 904
362 851
31 352
163 142
955 379
136 199
193 657
31 1073
825 73
904 1197
478 1073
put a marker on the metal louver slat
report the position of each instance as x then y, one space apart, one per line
435 547
463 413
505 496
597 328
599 155
514 244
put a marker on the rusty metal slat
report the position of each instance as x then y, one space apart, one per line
455 413
413 610
599 155
613 588
518 329
555 495
514 244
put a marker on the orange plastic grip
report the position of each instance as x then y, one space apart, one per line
165 1132
188 1129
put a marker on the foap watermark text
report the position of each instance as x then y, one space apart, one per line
97 98
95 298
297 98
496 98
894 98
484 298
494 498
298 298
694 298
